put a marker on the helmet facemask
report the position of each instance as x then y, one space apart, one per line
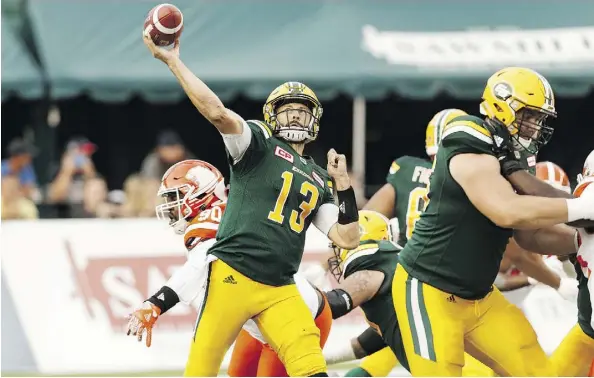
181 204
294 120
531 131
335 262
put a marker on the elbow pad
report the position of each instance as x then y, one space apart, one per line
340 302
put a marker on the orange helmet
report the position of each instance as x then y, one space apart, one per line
586 177
589 166
188 188
554 175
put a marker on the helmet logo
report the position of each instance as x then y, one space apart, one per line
502 91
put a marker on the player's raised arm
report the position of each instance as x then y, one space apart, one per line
480 178
204 99
340 223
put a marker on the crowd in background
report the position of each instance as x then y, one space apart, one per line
77 190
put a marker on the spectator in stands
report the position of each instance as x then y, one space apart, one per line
94 201
170 149
18 163
112 206
15 205
67 188
141 196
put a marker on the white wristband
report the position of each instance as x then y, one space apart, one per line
575 210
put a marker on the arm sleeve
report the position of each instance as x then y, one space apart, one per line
326 217
237 144
247 149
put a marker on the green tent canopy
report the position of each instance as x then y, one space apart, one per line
20 74
416 49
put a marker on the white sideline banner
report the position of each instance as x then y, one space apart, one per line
75 281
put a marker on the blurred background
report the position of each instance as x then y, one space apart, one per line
90 122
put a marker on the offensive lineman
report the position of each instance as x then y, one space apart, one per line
275 194
443 287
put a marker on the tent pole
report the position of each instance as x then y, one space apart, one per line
359 138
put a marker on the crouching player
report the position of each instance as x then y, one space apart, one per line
365 275
194 202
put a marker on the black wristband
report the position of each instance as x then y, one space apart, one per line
371 341
340 302
347 206
165 299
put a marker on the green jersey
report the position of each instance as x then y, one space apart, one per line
380 256
455 248
584 301
409 176
274 193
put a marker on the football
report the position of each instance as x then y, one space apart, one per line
164 24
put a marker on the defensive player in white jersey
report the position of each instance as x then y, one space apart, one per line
521 269
194 202
575 355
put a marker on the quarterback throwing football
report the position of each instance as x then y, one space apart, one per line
275 194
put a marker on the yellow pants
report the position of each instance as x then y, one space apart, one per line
574 356
381 363
438 327
280 313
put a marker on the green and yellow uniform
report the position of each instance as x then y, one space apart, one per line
443 287
274 195
379 256
409 176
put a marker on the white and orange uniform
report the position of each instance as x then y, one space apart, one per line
251 354
575 356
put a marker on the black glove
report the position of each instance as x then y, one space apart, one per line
503 148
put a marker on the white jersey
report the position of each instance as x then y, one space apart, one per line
585 254
309 295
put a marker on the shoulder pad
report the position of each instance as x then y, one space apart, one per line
472 128
361 251
263 126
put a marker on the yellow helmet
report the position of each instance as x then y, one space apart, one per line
373 227
293 91
436 126
521 100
